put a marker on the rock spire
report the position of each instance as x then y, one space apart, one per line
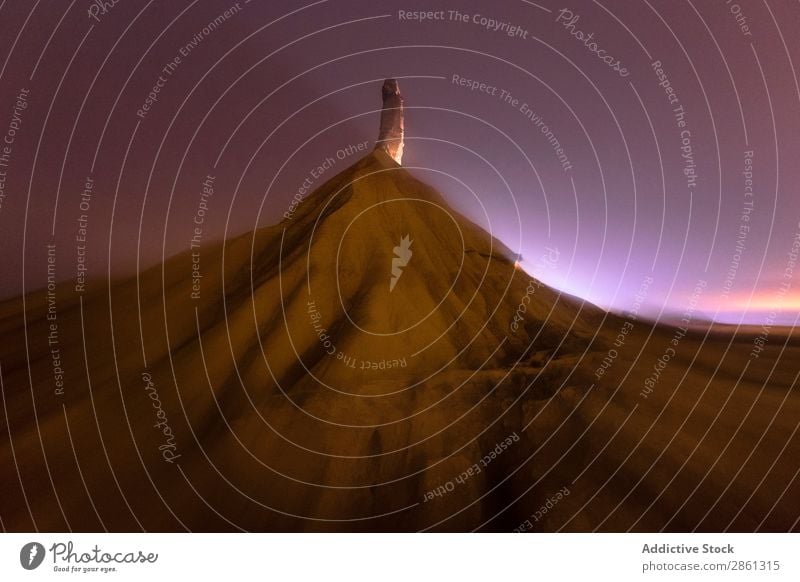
390 138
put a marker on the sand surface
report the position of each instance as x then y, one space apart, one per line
297 392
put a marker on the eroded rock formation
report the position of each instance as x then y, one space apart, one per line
390 137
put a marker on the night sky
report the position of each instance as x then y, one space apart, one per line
650 146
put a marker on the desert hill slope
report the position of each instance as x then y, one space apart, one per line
300 389
297 375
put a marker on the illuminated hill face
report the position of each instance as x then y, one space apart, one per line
353 343
447 298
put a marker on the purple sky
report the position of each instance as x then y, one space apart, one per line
263 97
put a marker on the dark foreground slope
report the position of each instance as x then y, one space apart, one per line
297 391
